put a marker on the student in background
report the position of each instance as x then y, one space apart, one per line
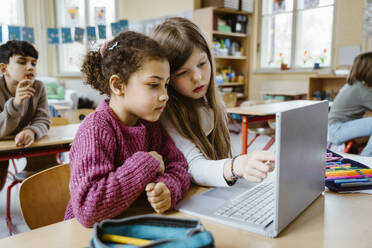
345 119
195 117
23 102
120 151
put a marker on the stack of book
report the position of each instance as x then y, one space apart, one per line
247 5
231 4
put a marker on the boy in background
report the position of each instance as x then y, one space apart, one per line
24 113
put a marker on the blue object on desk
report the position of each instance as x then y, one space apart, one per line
164 232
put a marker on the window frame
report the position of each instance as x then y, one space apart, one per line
293 42
20 21
86 43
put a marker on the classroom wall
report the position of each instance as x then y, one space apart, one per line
348 30
128 9
348 25
148 9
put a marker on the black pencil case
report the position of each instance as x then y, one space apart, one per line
335 187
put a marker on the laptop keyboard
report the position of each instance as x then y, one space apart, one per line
256 206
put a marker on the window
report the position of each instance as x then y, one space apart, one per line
81 13
296 32
11 13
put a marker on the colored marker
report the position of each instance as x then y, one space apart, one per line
124 239
348 172
342 169
355 184
333 159
334 163
351 180
331 179
339 166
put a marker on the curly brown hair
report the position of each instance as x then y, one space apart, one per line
122 56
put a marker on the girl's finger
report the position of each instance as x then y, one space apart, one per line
155 199
161 204
158 190
162 210
264 156
252 178
150 187
258 165
255 173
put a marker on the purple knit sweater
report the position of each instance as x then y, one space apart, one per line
110 166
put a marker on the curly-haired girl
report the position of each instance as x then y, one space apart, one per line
120 151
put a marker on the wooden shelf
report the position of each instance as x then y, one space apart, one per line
235 35
229 11
230 84
206 19
326 83
231 57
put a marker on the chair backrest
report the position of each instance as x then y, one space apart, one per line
58 121
44 196
75 115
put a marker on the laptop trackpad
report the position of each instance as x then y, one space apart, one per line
229 192
218 193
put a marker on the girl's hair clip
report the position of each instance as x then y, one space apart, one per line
113 46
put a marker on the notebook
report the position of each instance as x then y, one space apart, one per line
298 178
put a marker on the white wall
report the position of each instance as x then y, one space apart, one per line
84 90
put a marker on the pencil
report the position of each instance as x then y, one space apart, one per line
124 239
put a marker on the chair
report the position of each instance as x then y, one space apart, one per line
44 196
75 115
18 177
58 121
355 146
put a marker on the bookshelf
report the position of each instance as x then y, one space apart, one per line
206 19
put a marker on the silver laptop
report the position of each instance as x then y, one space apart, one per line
298 179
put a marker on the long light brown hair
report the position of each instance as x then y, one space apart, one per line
361 69
179 36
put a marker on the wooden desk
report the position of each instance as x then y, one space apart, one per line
262 112
58 139
61 107
332 220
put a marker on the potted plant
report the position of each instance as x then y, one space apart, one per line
283 66
320 59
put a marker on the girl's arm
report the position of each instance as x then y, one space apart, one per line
175 176
202 171
40 122
99 189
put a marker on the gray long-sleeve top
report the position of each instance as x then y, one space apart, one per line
351 103
33 114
